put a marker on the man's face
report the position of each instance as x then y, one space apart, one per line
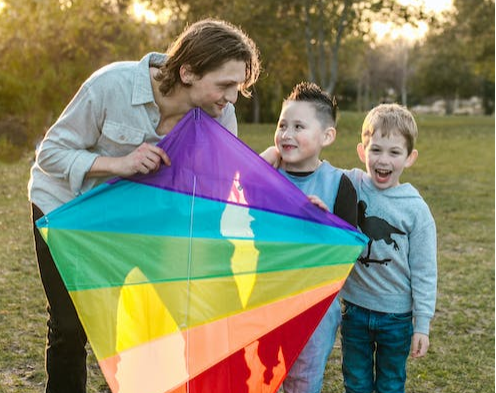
217 88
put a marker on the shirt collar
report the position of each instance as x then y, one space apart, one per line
142 86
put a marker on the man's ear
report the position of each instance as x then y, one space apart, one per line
329 136
410 160
361 152
187 76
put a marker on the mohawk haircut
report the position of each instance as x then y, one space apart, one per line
325 105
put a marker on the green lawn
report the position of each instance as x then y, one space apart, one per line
454 173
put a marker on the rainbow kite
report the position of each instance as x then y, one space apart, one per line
207 276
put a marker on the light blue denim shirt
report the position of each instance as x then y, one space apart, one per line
112 113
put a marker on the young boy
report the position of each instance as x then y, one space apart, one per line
306 125
391 291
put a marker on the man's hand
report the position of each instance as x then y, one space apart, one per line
146 158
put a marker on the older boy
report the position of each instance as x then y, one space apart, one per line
391 291
306 125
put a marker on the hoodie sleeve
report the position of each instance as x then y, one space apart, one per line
423 268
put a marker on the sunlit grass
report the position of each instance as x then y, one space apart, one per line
454 173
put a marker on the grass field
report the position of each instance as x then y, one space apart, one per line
454 173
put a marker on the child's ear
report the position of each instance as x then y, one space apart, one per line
329 136
410 160
361 152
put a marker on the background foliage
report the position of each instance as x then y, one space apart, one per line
49 47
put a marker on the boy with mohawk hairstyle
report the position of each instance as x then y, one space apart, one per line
306 125
389 297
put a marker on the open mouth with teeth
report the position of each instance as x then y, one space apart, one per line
288 147
383 174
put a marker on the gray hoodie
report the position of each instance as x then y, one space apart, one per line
397 272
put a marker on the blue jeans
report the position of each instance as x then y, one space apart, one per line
307 373
375 349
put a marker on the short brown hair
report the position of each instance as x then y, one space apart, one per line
388 119
205 46
325 105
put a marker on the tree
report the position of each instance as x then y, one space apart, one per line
442 70
270 23
49 47
458 61
476 19
330 23
298 39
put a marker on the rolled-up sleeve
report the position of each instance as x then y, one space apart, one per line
66 152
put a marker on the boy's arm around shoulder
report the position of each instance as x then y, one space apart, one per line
272 156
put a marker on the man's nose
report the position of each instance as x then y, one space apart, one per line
232 95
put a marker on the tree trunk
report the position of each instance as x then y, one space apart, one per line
333 70
255 107
359 97
404 77
321 57
308 44
367 92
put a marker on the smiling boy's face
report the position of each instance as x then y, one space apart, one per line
385 158
300 136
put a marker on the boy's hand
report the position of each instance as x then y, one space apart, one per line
272 156
318 202
420 345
